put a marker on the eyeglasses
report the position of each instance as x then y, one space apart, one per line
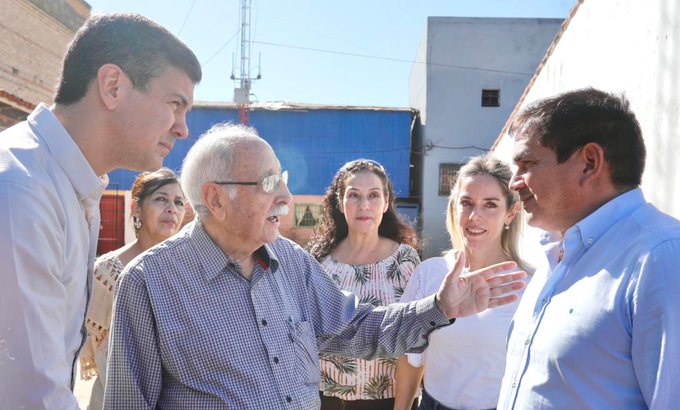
269 184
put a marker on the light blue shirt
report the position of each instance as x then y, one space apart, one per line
49 225
601 328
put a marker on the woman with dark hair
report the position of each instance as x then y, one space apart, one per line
157 210
463 365
369 251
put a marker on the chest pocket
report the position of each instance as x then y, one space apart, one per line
306 352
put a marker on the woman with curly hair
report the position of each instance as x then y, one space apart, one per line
369 251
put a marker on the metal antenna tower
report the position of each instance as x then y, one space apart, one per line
242 92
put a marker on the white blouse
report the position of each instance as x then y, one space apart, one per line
464 362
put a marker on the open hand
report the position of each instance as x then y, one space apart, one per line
460 296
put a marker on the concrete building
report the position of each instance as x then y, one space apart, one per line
34 35
469 76
629 47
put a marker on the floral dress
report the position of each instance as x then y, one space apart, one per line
379 284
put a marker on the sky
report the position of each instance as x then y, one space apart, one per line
348 52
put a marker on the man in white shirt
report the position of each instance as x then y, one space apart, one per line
121 102
599 325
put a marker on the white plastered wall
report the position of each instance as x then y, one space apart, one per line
630 47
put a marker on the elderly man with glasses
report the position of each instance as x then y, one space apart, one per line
228 314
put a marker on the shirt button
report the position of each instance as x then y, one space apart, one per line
526 342
433 323
514 385
264 322
276 360
289 399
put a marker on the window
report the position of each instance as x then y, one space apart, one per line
491 98
307 215
447 176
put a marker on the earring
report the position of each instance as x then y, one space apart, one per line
136 222
506 227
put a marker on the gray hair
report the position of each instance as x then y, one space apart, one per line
211 158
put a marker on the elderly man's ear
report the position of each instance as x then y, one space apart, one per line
215 199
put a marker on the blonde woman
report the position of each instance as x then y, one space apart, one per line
463 365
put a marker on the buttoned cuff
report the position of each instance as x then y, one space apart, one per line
432 318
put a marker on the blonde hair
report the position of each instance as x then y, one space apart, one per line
488 165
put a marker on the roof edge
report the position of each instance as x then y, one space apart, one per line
283 105
542 64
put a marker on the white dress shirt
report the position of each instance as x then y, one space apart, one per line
49 225
463 362
601 328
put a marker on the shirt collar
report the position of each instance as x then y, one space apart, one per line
214 261
66 153
549 238
592 227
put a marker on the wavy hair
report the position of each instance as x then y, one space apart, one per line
333 226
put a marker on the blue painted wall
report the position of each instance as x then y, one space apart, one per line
310 143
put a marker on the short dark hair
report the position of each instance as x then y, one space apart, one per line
140 47
568 121
333 226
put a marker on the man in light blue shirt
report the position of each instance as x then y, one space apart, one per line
599 325
121 102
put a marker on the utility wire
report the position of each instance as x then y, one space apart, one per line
221 48
399 60
186 17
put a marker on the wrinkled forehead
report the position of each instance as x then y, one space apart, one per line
256 159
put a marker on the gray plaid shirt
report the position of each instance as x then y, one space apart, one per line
190 332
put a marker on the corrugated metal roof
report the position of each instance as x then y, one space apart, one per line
312 142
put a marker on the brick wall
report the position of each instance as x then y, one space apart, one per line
32 43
